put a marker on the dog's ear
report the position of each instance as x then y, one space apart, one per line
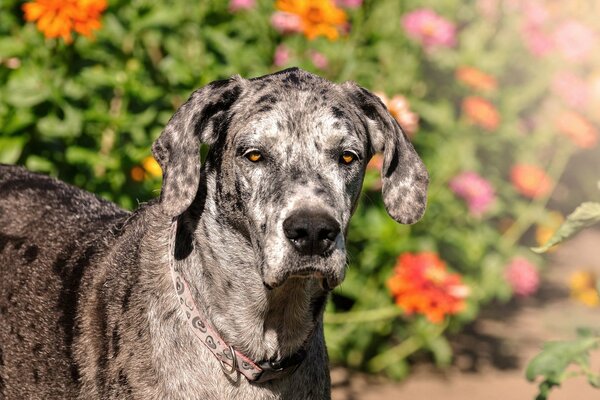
201 119
404 176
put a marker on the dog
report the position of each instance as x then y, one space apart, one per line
216 289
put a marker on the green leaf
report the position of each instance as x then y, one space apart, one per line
69 126
10 149
555 357
585 215
26 89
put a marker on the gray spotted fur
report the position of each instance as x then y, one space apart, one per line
87 307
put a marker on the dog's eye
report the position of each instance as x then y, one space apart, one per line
348 157
254 156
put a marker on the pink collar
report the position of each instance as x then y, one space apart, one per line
231 360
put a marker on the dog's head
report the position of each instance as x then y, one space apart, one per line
287 158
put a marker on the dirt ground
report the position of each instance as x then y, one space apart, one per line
491 354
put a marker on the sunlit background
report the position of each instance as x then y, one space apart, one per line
500 98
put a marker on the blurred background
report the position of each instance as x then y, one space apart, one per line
501 99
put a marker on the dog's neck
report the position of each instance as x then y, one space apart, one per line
228 288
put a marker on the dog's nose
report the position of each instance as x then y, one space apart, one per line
311 232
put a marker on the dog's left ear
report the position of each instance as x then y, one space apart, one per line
404 176
201 119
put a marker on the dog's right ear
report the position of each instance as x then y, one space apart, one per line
201 119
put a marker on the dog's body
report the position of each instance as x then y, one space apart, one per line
87 304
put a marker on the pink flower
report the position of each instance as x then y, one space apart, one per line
429 28
535 12
319 60
238 5
536 40
348 3
285 22
575 41
475 190
282 55
571 88
522 276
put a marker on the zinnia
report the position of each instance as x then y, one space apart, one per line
571 88
399 107
530 180
481 112
316 17
429 28
575 41
476 79
58 18
522 276
476 191
422 285
578 129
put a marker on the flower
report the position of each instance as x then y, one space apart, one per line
282 55
58 18
318 59
571 88
238 5
429 29
476 79
317 17
137 173
546 229
536 40
151 166
475 190
530 180
286 23
578 129
582 286
481 112
399 107
422 285
522 276
574 40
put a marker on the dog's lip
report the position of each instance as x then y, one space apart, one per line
328 278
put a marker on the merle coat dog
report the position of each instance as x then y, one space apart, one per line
216 289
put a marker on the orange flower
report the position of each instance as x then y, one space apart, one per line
578 129
400 110
58 18
531 181
318 17
481 112
151 166
476 79
137 173
422 285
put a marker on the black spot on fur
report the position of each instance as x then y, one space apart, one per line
338 113
264 109
31 254
36 376
267 98
115 341
212 109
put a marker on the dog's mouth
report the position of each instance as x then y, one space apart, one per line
327 278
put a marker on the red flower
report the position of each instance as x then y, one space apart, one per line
422 285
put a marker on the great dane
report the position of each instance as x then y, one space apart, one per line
216 289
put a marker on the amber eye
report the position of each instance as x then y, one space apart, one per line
254 156
348 157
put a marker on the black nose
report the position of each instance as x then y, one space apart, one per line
311 232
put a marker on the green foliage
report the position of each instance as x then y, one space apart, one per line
587 214
88 112
552 363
